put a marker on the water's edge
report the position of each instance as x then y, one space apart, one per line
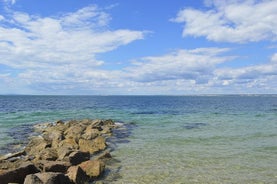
177 139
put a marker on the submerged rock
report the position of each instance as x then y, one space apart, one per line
194 125
104 155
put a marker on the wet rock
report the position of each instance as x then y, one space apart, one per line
96 122
93 168
106 130
42 126
103 156
77 175
60 122
11 155
109 122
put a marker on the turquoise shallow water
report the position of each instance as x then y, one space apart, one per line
177 139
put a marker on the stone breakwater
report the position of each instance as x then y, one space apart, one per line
73 152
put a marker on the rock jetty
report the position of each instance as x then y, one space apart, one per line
72 152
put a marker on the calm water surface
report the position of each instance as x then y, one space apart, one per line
177 139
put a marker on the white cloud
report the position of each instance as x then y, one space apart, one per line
234 21
198 71
10 1
32 41
180 72
50 49
253 79
274 58
197 65
89 16
59 55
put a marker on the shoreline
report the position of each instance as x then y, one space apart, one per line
75 151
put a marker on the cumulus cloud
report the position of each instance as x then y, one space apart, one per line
199 71
12 2
274 58
196 64
90 17
250 79
52 49
58 54
31 41
233 21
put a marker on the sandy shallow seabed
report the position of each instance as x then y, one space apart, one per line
176 139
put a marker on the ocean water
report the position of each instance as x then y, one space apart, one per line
175 139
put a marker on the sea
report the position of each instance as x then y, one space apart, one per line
171 139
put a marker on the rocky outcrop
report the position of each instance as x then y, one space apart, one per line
18 175
77 157
53 166
93 168
62 153
92 146
12 155
77 175
47 178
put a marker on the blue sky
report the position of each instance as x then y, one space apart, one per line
138 47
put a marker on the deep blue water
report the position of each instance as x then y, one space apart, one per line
180 139
142 104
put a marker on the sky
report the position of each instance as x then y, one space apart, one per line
138 47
